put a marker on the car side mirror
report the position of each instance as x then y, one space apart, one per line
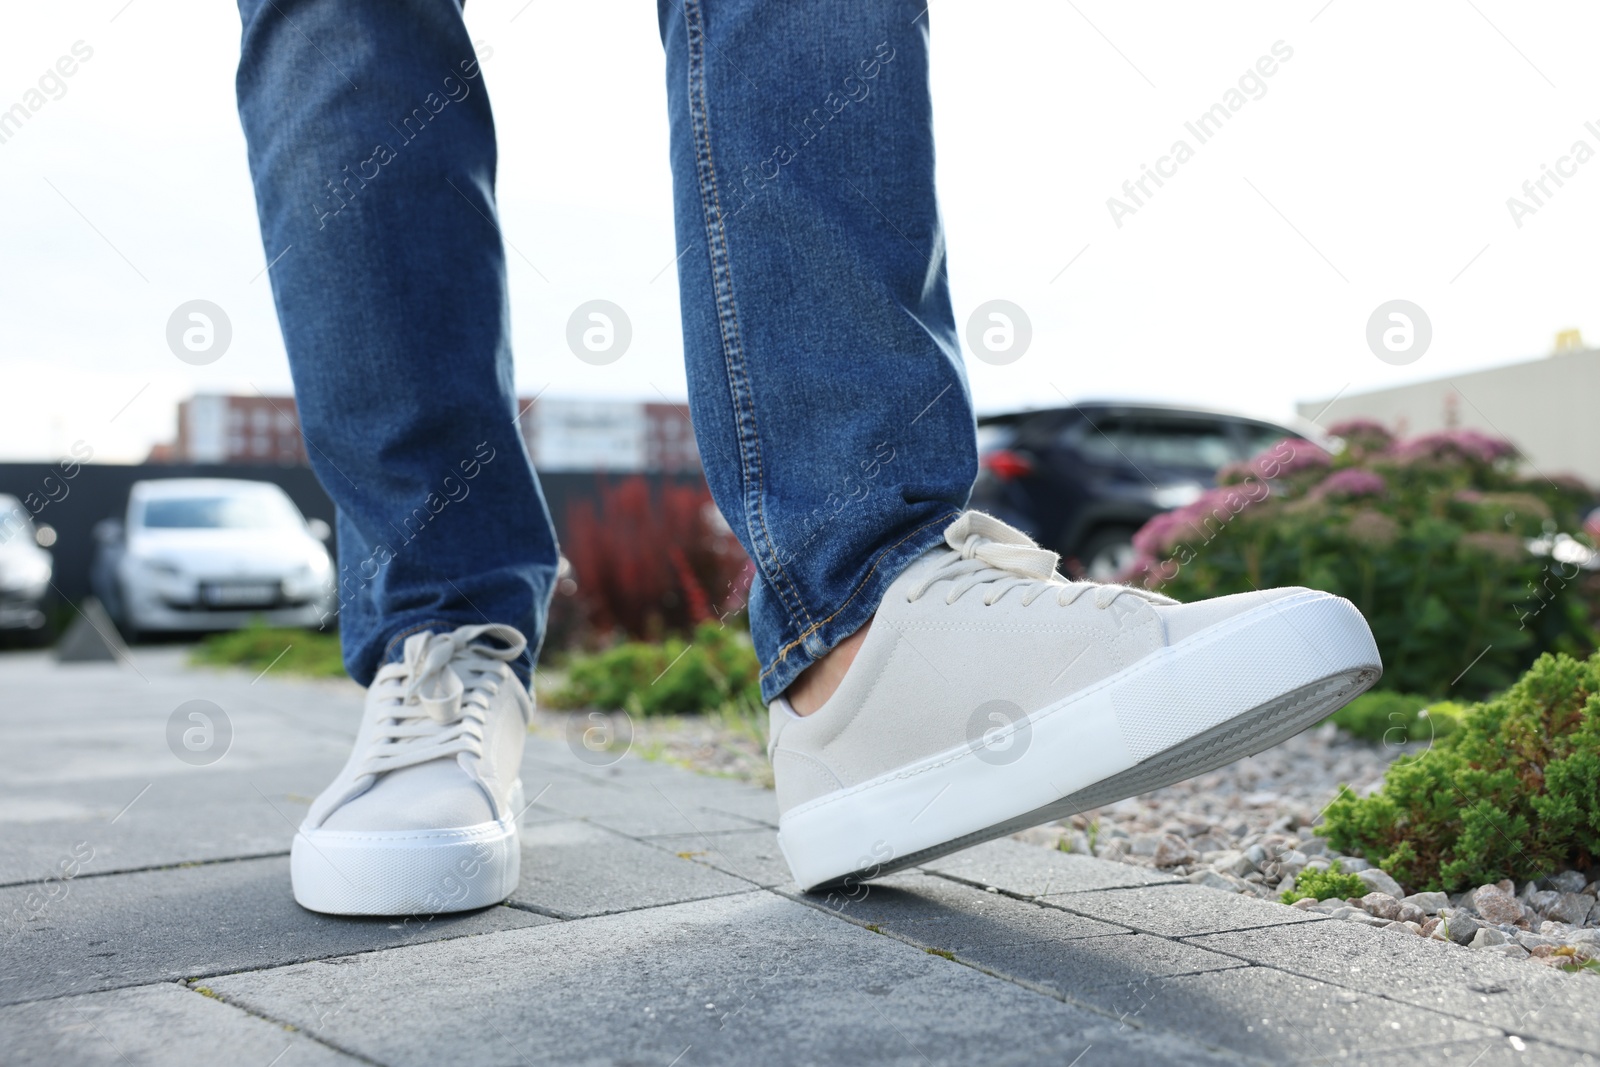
44 535
319 529
108 531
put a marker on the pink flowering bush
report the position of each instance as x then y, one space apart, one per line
1427 536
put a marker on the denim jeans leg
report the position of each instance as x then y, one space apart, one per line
371 147
825 375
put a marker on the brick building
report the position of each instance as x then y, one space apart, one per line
616 436
246 430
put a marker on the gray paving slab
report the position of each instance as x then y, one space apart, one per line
959 916
572 869
1361 957
1515 995
130 929
747 801
154 1024
644 812
753 855
1181 910
106 721
1030 871
132 824
752 978
1045 947
197 815
1504 1051
1264 1013
1070 968
633 773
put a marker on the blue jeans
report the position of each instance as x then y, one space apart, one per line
825 378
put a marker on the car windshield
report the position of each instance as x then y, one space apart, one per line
1155 442
238 511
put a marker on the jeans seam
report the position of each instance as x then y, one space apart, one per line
727 317
877 561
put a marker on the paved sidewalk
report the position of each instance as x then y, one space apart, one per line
148 920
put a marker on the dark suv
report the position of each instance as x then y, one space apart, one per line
1082 479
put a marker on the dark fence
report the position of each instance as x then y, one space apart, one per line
73 504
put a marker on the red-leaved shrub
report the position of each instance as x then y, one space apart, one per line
651 563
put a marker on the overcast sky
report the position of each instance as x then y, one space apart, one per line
1376 165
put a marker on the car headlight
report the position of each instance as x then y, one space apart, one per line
160 567
23 574
308 579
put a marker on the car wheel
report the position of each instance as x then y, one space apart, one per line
1107 553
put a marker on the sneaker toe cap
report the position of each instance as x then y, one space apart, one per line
1186 620
430 796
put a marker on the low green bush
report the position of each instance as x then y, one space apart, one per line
1514 792
258 647
1391 718
717 670
1320 885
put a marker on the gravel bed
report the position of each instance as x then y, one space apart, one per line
1249 828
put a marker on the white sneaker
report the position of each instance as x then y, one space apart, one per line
992 695
423 818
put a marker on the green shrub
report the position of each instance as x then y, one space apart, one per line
1513 793
1427 537
1382 715
258 647
1320 885
715 671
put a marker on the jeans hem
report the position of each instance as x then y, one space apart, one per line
522 666
857 609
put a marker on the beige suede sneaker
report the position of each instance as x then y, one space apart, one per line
991 695
423 817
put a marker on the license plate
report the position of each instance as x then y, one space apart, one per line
237 594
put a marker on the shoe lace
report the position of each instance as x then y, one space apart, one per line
1000 558
438 696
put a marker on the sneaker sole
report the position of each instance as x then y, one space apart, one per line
407 872
1227 692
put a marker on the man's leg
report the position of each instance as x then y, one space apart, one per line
825 375
372 151
988 693
373 155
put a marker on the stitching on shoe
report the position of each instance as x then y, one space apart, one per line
721 264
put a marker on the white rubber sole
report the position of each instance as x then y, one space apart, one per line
1227 692
407 872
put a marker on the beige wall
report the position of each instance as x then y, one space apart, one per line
1549 408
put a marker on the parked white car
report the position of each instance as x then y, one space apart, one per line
25 567
212 554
